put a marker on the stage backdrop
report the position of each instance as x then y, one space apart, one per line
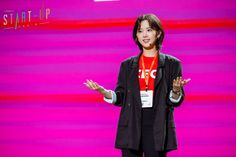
48 48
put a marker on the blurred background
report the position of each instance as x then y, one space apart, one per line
48 48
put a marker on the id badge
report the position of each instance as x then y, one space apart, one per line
146 98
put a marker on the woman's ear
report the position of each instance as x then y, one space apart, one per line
158 34
136 39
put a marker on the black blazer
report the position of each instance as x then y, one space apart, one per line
128 97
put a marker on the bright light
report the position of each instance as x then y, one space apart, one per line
105 0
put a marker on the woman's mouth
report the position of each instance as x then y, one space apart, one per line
146 40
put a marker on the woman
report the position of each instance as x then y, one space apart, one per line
148 89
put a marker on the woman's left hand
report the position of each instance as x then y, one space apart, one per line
178 83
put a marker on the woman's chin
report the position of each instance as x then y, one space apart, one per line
148 47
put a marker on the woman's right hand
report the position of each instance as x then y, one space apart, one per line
95 86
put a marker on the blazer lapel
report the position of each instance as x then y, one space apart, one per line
134 80
161 63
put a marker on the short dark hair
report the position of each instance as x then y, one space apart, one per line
154 23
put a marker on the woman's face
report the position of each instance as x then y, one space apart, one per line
147 36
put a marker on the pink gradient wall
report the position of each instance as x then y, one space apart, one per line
46 111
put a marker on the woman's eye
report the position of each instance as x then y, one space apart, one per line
139 31
149 30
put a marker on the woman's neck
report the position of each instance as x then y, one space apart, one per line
149 53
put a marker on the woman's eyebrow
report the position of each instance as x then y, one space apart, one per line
145 28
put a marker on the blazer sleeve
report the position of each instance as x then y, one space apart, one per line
121 85
175 71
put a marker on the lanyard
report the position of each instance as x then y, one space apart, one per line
146 77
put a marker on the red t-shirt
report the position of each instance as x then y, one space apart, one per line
152 76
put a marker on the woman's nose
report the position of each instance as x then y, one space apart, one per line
144 33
